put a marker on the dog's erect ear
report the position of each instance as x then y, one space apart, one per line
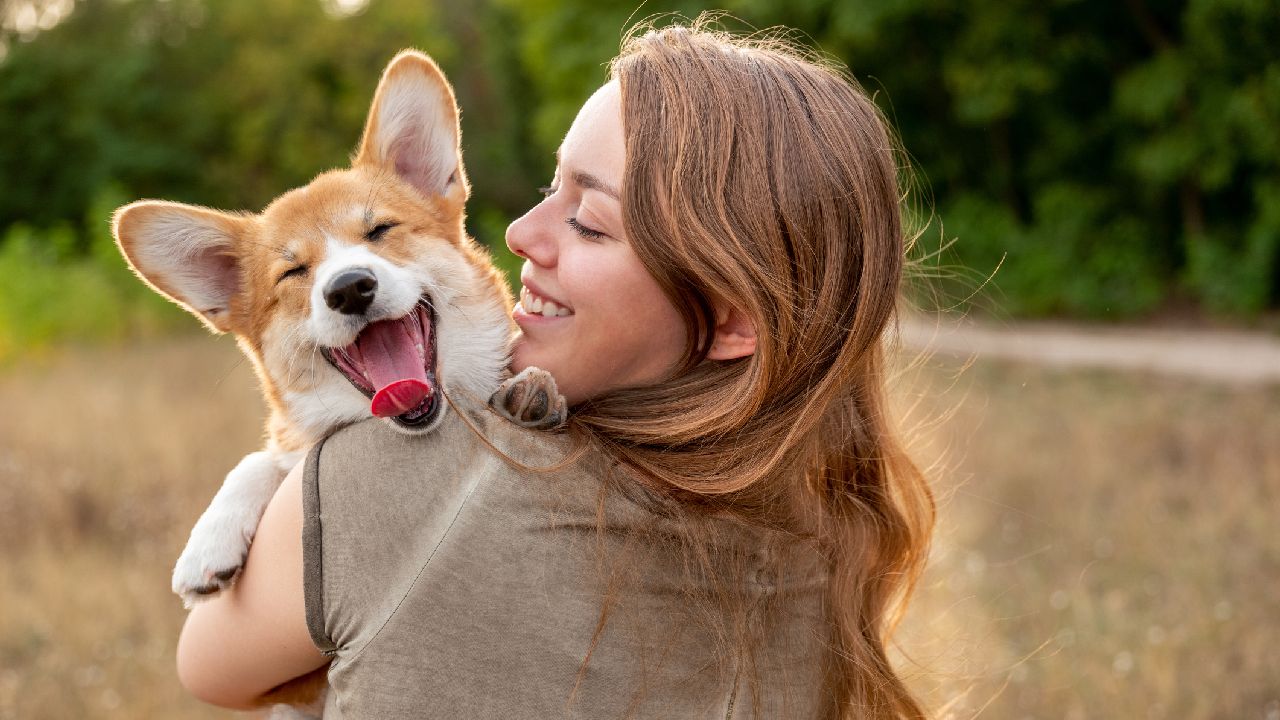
412 128
186 253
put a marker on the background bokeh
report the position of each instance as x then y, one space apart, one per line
1112 159
1107 544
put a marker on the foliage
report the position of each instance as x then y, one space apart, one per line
1113 154
54 293
200 102
1108 157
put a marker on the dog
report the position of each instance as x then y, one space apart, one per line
357 295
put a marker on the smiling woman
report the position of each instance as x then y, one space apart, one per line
759 191
579 261
729 523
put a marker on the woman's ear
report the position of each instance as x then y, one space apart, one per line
735 335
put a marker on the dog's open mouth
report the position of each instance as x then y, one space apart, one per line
393 362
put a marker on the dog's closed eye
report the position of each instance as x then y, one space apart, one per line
376 233
296 271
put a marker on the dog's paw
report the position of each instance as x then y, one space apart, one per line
531 400
211 562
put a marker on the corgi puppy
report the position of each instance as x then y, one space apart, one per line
359 294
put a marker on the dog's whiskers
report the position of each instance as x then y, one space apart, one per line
293 353
320 396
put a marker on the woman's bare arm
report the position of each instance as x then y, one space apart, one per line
252 637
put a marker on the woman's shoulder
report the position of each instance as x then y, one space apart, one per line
371 478
468 431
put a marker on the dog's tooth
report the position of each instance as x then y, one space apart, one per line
549 309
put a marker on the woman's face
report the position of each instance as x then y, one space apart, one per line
589 312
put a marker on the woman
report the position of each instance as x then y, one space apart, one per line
742 522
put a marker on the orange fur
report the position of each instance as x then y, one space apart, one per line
291 230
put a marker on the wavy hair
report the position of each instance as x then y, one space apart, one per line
761 178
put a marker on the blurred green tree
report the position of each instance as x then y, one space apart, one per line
226 104
1115 156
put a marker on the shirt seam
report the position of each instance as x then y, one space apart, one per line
313 561
409 590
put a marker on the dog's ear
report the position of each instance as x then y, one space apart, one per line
412 128
187 253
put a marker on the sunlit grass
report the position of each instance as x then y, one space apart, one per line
106 460
1107 548
1106 545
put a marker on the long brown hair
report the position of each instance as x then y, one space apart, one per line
765 180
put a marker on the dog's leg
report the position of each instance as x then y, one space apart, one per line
220 539
531 400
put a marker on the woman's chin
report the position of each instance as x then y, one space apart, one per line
526 354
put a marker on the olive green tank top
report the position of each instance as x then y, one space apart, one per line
445 582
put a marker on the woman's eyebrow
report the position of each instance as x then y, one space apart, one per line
587 181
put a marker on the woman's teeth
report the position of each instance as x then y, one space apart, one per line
536 305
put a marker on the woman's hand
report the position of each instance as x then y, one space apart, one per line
251 638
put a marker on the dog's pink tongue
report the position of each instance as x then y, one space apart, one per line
399 397
395 367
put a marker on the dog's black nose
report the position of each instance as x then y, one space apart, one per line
351 291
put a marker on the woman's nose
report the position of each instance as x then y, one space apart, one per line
529 237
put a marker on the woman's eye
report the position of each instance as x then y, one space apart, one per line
583 230
547 191
378 231
297 270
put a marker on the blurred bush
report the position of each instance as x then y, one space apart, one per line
1111 158
59 286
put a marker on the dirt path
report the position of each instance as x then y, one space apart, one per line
1231 356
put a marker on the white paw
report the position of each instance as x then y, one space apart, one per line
213 558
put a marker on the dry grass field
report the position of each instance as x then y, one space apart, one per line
1107 548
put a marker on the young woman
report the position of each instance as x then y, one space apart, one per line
740 524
